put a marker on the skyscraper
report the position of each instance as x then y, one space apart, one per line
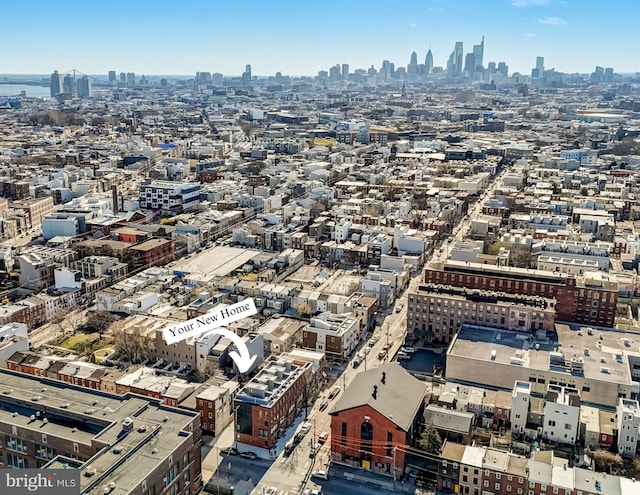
345 71
112 76
428 62
538 71
84 87
412 68
246 75
454 64
478 54
56 83
68 85
131 79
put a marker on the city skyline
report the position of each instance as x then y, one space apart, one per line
157 38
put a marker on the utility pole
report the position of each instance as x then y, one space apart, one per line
388 346
394 467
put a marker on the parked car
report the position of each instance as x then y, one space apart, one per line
334 391
404 355
272 490
249 455
382 354
356 362
305 427
323 437
408 349
229 451
324 404
323 475
314 450
311 491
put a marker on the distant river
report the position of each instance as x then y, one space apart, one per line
16 89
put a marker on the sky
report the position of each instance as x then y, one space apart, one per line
301 37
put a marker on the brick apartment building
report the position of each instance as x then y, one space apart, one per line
589 299
269 403
134 442
435 312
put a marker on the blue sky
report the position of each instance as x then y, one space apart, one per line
301 37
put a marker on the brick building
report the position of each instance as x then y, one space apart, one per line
590 298
435 312
152 252
132 442
269 403
376 418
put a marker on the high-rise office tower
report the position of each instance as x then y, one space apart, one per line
503 69
123 77
454 64
246 75
598 74
55 85
478 54
608 75
538 71
84 87
428 62
112 76
131 79
68 85
469 63
388 70
412 68
345 71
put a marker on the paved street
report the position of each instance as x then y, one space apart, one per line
291 475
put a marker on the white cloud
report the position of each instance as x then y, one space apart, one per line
553 21
526 3
412 24
530 35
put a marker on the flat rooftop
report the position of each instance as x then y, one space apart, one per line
96 419
604 354
220 261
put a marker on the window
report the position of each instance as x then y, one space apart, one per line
366 435
263 433
498 476
16 444
44 452
486 483
552 423
17 461
567 426
497 486
508 488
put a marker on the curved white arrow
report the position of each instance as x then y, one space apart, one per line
242 358
214 321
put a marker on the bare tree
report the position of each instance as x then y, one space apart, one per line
65 322
130 345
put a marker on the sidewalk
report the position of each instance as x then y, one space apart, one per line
372 479
212 460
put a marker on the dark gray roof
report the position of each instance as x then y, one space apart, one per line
398 398
448 419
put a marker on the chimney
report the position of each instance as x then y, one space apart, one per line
384 376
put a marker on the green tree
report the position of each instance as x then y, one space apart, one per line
430 440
